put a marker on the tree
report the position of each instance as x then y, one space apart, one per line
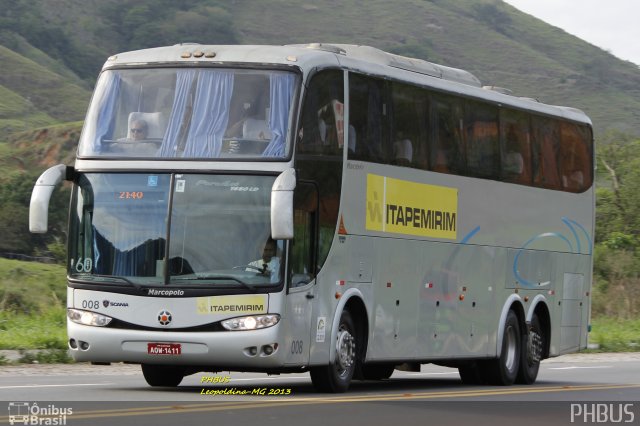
617 254
619 200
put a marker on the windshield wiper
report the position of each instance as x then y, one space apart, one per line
218 277
111 277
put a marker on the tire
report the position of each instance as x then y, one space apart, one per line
161 375
503 371
533 345
375 371
336 377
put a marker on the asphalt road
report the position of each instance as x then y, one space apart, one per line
574 389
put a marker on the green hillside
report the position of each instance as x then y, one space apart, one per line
34 96
501 45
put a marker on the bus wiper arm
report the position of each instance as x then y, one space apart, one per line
226 277
126 280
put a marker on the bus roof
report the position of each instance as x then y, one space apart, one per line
300 55
365 59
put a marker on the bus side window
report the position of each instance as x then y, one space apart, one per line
575 163
409 125
303 246
446 155
368 113
515 142
546 149
322 120
481 137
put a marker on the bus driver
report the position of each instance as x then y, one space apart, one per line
269 265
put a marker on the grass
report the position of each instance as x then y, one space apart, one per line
614 335
27 331
32 305
30 288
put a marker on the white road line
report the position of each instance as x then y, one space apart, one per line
577 367
54 386
429 374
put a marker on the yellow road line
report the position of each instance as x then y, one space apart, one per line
225 405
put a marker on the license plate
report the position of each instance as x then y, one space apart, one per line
164 348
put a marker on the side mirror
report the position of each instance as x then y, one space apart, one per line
282 205
40 196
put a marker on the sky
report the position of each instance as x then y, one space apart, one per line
613 25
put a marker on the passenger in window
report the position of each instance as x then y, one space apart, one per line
574 181
137 142
441 162
402 151
139 130
513 165
251 123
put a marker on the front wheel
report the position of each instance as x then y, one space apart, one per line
336 377
161 375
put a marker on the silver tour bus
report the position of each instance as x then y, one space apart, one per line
334 209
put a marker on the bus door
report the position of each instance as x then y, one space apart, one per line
302 273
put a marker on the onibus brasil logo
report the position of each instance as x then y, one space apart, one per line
27 413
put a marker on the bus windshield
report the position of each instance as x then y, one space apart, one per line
213 229
190 113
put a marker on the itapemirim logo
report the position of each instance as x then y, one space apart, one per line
28 413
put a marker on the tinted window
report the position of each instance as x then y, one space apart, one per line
319 152
515 143
368 140
322 120
446 121
575 157
546 144
409 126
481 132
405 125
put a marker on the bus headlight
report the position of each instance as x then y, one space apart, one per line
87 318
252 322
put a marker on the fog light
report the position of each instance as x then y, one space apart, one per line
267 349
73 344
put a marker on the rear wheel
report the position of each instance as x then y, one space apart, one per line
162 375
503 371
337 376
532 349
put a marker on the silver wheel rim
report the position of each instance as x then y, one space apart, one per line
510 359
345 352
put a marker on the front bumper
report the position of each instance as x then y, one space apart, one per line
231 350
